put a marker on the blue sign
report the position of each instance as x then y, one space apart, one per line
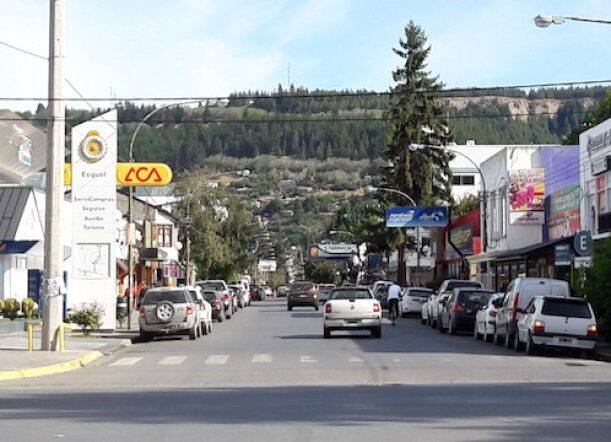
436 216
562 255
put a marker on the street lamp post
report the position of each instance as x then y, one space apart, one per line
415 147
544 21
147 117
413 203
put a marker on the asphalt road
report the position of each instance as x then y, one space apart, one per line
267 375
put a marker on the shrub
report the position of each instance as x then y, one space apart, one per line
28 307
88 316
10 308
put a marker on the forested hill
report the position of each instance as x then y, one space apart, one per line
321 124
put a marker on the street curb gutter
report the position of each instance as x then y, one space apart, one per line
61 367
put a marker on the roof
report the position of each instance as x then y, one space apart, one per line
524 251
23 148
12 204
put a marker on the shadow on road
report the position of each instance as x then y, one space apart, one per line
567 411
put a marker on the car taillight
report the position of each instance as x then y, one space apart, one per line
328 308
458 308
514 312
142 312
592 331
189 310
493 313
539 327
217 303
225 296
376 308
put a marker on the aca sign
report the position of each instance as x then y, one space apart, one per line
436 216
134 174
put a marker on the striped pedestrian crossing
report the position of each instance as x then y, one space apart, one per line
126 362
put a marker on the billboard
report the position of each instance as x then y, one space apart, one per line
333 250
435 216
267 265
527 196
564 217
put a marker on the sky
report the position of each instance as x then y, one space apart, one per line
161 48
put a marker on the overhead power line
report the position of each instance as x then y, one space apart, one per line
443 92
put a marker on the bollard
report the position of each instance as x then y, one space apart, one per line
29 327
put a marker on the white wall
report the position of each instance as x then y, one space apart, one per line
462 166
501 234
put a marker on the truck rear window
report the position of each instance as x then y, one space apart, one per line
350 294
474 298
419 293
212 286
566 307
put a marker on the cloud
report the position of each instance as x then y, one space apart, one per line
312 17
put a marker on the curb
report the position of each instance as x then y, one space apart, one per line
63 367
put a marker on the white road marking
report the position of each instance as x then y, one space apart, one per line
261 358
308 359
216 360
355 360
172 360
124 362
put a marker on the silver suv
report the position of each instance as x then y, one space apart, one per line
169 310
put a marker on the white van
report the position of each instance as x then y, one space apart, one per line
519 294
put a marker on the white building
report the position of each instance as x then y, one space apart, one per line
595 168
465 177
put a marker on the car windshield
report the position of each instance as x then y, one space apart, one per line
566 307
455 284
302 287
175 296
474 298
420 293
210 296
212 286
350 294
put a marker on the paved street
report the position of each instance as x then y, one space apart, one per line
268 375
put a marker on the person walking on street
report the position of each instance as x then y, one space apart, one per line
394 294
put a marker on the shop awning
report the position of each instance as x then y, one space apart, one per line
523 252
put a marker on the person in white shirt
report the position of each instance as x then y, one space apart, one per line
394 295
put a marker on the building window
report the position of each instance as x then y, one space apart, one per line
21 263
463 180
164 236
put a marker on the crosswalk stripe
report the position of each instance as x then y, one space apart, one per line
262 358
355 360
216 360
123 362
308 359
172 360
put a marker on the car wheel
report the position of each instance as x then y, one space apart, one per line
377 332
228 313
486 337
289 308
326 333
517 345
316 307
144 336
422 321
193 333
204 328
434 323
221 316
531 347
498 339
210 326
440 325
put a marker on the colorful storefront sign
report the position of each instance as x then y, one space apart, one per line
564 217
527 196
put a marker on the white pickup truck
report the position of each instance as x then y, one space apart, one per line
352 308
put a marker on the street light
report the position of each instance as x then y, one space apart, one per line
414 147
544 21
372 189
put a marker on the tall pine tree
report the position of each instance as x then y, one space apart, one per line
416 116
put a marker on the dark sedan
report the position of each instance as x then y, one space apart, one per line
216 301
459 310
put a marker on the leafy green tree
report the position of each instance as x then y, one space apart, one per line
466 205
600 114
417 117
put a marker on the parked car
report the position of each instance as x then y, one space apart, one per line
234 291
302 293
216 301
444 291
324 290
220 286
485 318
559 322
268 291
205 308
459 310
413 299
169 310
352 308
519 293
282 291
243 294
257 293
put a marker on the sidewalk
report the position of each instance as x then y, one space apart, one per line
17 363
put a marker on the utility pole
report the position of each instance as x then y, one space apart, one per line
52 313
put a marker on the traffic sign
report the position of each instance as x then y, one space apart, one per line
583 262
134 174
583 243
562 255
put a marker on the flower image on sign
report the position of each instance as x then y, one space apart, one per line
527 190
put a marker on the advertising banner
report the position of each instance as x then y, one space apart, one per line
435 216
333 250
462 238
267 265
94 213
527 196
562 255
564 217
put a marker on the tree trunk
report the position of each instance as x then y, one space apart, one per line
401 270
